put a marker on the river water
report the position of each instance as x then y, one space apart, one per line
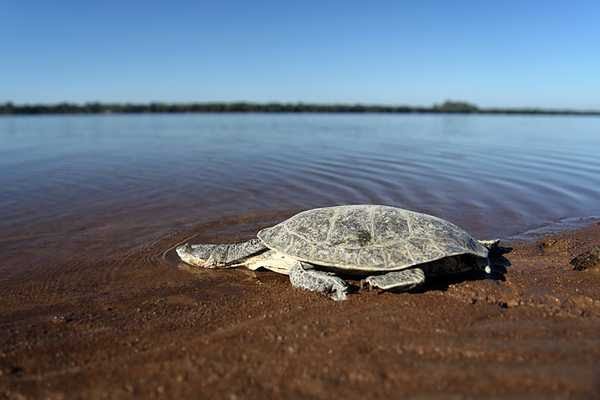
85 182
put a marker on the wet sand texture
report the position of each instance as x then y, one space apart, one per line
128 323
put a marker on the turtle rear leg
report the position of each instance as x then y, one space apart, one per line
304 276
219 255
398 280
493 247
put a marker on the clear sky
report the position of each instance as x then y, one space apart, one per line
493 53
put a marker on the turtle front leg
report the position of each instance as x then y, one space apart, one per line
398 280
304 276
219 255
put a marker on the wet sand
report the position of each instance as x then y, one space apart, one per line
118 322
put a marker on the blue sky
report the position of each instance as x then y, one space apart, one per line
493 53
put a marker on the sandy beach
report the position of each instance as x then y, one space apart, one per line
124 323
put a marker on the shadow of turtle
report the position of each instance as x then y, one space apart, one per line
498 263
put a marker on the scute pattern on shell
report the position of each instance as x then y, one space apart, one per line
368 237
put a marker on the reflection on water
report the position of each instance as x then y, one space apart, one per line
126 179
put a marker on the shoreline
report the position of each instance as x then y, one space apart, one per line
130 323
558 227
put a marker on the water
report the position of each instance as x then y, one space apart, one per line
93 180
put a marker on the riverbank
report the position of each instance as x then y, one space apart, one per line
131 322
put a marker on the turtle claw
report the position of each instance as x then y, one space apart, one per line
364 285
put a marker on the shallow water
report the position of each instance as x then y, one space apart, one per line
94 181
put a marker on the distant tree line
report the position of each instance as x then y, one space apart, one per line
448 107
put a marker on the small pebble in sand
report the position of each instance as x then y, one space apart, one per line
589 260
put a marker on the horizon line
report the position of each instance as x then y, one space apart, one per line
121 107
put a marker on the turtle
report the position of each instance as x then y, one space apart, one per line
392 249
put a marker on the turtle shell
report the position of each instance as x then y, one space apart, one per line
368 238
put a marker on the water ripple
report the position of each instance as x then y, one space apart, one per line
495 176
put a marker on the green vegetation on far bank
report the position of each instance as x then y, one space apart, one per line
448 107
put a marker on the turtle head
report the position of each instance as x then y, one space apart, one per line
186 253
